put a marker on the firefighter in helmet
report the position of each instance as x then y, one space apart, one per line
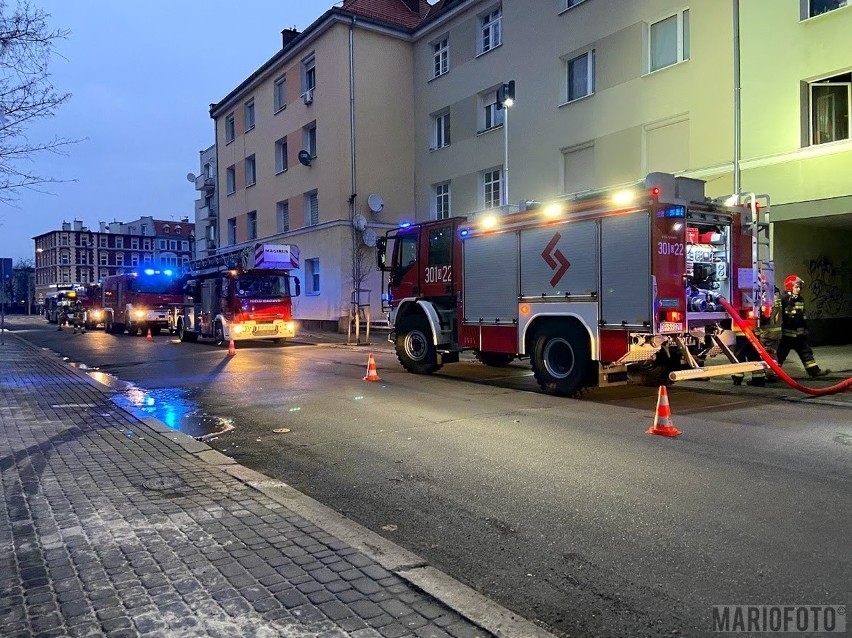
77 317
794 326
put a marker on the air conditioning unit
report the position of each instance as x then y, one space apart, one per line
308 96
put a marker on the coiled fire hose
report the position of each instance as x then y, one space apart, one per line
773 365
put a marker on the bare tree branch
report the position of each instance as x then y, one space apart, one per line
26 95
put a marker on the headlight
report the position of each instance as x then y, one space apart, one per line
238 329
96 314
139 314
290 326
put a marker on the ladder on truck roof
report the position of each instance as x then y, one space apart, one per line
762 266
237 258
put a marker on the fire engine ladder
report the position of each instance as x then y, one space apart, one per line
238 258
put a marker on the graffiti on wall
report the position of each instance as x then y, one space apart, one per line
829 289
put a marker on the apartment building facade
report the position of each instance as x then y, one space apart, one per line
608 91
315 149
796 146
74 254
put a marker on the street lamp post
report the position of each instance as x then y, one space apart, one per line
506 98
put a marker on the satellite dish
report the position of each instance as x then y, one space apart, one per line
369 237
375 202
359 222
304 158
190 177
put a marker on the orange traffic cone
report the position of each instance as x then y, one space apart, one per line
663 419
150 337
372 375
232 348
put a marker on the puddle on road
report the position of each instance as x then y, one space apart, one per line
169 405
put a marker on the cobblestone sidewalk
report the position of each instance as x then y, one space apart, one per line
109 527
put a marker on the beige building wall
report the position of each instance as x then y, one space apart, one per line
809 182
677 119
383 155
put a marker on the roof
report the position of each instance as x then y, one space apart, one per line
396 12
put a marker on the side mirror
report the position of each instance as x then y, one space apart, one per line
381 253
298 286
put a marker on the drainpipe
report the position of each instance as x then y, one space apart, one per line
356 266
737 132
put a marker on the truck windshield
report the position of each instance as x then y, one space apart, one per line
262 286
162 285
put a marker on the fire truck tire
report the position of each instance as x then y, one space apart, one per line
494 359
219 334
414 347
561 360
185 335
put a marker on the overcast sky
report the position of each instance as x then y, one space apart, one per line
142 76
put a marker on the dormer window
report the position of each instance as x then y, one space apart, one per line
177 230
166 229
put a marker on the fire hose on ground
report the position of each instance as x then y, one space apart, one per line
773 365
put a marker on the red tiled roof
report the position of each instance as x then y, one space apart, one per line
395 12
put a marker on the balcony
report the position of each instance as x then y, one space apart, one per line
205 184
207 212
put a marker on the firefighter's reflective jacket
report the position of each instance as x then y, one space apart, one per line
794 322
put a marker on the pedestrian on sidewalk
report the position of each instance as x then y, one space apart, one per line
794 326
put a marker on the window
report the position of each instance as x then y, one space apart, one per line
281 155
309 74
441 57
134 243
312 277
493 188
441 246
178 230
119 259
581 76
184 245
492 117
578 168
163 244
442 200
146 244
830 103
248 110
309 133
102 242
173 244
251 224
490 33
231 180
65 259
119 242
167 229
65 240
311 209
441 130
134 259
229 128
669 41
251 171
279 94
103 259
811 8
232 230
282 213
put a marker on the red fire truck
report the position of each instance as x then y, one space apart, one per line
93 311
140 300
589 288
241 295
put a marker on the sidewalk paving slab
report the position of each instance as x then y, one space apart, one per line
116 526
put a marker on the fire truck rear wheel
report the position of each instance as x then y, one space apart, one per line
185 335
414 347
561 360
219 334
